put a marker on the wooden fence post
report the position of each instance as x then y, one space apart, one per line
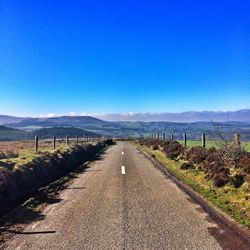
77 139
36 143
158 136
54 142
67 140
164 136
172 137
203 140
237 139
185 139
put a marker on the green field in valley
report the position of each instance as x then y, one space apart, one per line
210 144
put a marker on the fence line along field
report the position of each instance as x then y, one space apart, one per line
24 151
203 141
212 143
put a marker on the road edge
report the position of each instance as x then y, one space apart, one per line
214 212
56 186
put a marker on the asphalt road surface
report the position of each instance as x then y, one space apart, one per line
123 202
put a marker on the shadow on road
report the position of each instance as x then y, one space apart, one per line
222 232
23 215
14 222
30 233
92 170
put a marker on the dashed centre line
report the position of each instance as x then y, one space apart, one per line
123 170
122 153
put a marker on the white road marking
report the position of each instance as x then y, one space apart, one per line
122 153
123 170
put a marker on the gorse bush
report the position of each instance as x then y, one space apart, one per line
244 163
196 154
186 165
228 165
173 149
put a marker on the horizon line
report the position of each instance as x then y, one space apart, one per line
78 114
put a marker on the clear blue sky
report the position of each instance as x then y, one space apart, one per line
104 56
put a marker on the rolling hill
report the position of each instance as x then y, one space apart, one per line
5 119
126 129
62 132
63 121
83 122
12 134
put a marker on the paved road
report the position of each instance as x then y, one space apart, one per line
129 207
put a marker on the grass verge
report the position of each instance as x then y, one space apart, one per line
14 222
235 202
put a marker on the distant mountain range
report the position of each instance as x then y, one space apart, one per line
52 121
7 133
5 119
87 123
185 117
211 122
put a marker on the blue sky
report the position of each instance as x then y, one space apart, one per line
123 56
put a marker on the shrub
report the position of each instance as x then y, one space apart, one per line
220 179
244 163
232 154
228 165
186 166
215 168
155 147
173 149
238 180
196 154
150 142
109 142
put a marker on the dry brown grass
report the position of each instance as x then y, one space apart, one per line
15 146
44 145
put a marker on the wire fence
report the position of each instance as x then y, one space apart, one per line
38 144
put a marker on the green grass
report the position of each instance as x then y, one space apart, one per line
210 144
233 201
195 143
246 145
